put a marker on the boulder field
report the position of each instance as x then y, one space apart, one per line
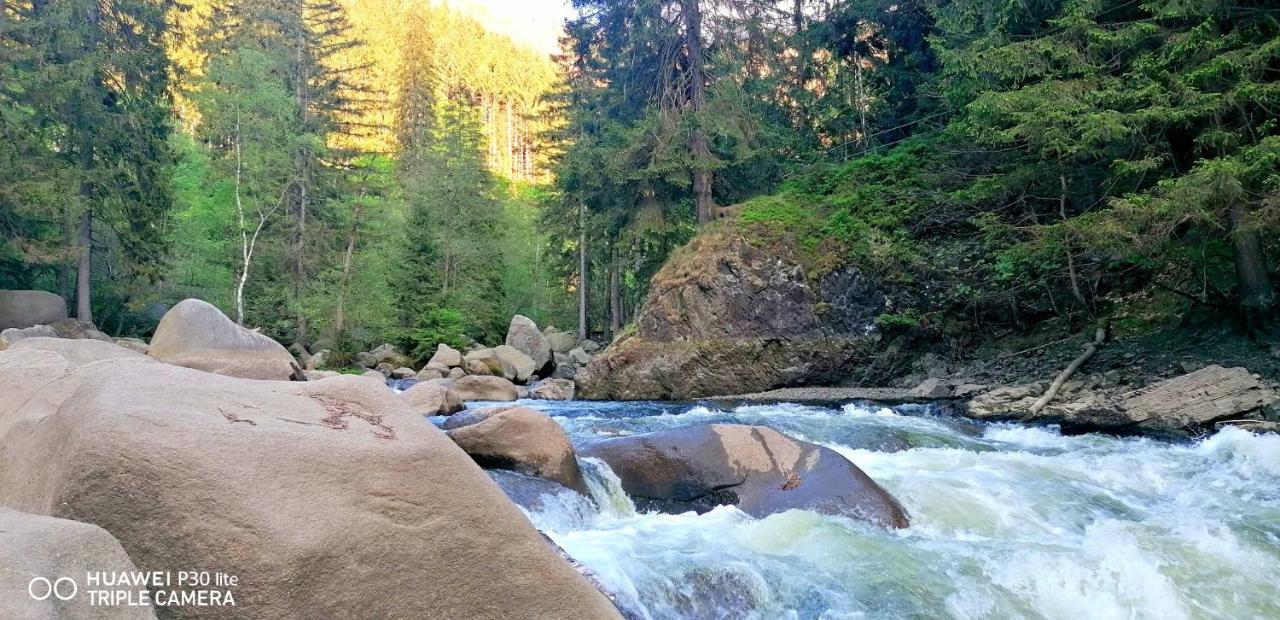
329 498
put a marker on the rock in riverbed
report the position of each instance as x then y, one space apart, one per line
432 399
519 439
483 387
325 499
758 469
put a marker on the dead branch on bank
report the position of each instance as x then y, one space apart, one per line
1099 339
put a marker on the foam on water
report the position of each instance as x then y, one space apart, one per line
1007 521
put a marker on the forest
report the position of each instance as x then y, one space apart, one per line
378 170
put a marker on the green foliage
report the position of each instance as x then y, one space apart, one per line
437 325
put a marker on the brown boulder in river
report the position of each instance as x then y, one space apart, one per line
483 387
758 469
325 499
519 439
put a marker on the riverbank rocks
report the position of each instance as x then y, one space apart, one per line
481 387
519 439
1188 402
388 354
11 336
445 357
432 399
725 316
324 499
75 329
195 334
516 366
34 546
561 342
552 389
22 309
755 468
487 357
523 335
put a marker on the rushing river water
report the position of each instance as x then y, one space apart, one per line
1007 521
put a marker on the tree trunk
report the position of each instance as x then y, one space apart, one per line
615 295
1253 281
702 197
83 310
584 323
340 310
66 270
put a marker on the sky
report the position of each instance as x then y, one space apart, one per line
536 23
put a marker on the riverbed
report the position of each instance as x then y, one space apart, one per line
1007 521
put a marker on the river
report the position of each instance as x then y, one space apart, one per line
1008 521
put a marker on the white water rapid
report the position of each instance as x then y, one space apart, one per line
1007 522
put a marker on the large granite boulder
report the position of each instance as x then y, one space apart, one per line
325 499
446 357
390 355
489 358
519 439
484 387
726 316
516 366
196 334
432 399
37 551
561 342
523 335
758 469
1191 402
26 308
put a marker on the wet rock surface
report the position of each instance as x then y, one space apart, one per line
758 469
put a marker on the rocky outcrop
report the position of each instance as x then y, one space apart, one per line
519 439
755 468
726 317
1189 402
523 335
195 334
45 549
639 369
27 308
479 387
322 498
432 399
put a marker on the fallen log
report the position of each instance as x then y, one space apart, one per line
1091 348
